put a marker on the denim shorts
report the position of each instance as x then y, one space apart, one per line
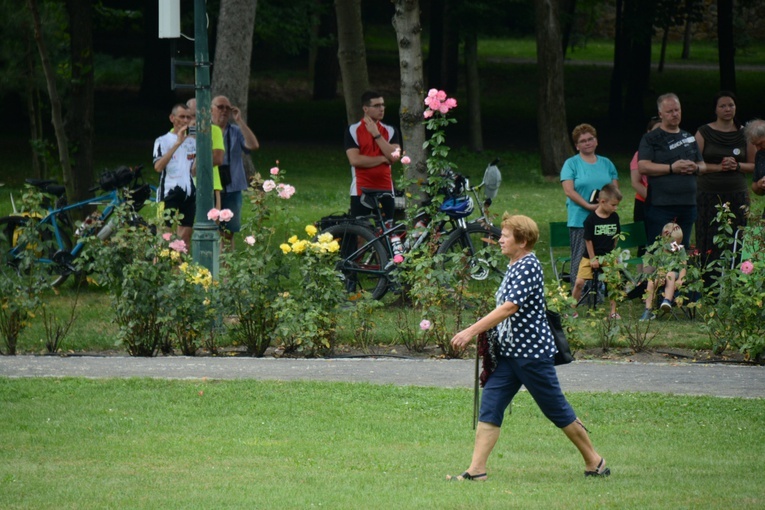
540 379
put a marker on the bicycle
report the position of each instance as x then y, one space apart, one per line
368 265
54 231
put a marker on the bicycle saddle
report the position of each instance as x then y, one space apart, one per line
370 197
47 186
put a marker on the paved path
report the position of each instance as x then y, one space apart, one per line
676 378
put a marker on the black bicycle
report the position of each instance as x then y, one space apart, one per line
370 246
57 239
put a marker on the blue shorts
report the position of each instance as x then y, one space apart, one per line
232 201
540 379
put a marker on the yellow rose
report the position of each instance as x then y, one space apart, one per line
325 238
292 240
300 246
333 246
286 248
310 230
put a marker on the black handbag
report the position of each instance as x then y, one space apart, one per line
564 355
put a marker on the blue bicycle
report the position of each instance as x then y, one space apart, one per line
61 240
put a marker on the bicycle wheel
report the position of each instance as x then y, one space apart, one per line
476 242
59 270
364 259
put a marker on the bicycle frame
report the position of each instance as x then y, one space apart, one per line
111 199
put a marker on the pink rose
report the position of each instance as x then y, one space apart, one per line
398 259
249 240
747 267
179 246
213 214
275 170
425 324
428 114
167 236
269 185
432 92
286 191
226 215
406 160
451 102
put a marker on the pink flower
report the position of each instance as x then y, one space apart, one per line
441 95
432 92
167 236
405 160
398 259
213 214
425 324
226 215
286 191
269 185
275 170
428 114
747 267
249 240
451 102
179 246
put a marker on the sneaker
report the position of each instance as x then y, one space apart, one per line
666 305
648 315
615 316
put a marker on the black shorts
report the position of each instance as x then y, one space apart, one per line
178 201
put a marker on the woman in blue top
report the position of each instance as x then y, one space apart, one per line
580 176
526 353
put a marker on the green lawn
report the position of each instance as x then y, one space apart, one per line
143 443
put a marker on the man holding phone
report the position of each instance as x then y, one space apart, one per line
369 145
238 140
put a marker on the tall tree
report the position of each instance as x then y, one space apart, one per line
638 29
352 55
551 105
615 99
725 46
233 52
406 21
57 117
79 117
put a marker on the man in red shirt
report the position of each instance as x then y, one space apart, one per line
369 145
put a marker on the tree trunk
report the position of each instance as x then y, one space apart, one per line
233 52
725 46
352 55
33 110
473 91
687 33
638 17
551 109
79 118
406 21
55 101
568 7
615 96
325 68
663 52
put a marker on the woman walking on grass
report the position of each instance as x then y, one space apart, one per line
526 352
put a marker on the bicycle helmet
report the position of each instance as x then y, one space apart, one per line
457 207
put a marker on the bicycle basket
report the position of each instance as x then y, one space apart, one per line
113 179
459 207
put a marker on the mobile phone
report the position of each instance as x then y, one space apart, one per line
191 131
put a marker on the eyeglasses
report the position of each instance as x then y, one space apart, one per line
222 107
378 105
586 140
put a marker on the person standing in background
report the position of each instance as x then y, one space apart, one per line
238 140
580 176
728 158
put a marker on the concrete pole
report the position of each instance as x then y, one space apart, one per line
206 239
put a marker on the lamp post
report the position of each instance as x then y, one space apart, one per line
206 239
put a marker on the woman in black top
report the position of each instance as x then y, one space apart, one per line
728 158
